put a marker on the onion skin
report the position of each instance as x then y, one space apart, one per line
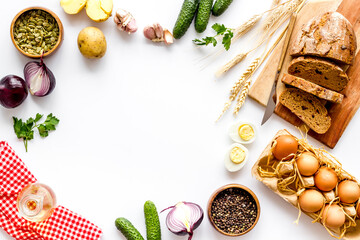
38 74
13 91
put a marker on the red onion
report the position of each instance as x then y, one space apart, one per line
13 91
184 218
39 79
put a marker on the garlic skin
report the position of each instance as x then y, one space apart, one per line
125 21
168 37
156 33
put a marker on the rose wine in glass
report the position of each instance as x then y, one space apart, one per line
36 202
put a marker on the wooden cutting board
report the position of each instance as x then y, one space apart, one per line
340 114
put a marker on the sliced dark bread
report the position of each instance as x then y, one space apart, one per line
308 108
312 88
319 71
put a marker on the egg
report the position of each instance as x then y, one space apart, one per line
326 179
333 216
348 191
307 164
242 132
285 145
236 157
311 201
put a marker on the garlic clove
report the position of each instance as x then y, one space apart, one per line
149 32
158 30
131 27
168 37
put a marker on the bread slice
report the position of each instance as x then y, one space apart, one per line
319 71
329 35
308 108
312 88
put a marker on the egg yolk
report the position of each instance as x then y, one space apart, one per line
246 132
237 155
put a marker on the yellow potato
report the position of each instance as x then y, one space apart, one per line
72 6
99 10
92 42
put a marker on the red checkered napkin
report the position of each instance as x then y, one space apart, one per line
63 224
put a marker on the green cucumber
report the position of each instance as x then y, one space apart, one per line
153 231
127 229
220 6
185 18
203 15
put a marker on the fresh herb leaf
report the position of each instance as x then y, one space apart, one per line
227 40
220 30
43 131
25 130
38 117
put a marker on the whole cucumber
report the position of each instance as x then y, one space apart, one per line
203 15
127 229
153 231
220 6
185 18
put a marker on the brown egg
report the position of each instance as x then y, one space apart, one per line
311 201
349 191
307 164
326 179
285 145
333 216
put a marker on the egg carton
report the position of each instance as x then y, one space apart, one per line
352 233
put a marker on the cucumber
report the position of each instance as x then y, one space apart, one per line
153 231
203 15
220 6
127 229
185 18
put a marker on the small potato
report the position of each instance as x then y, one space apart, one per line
91 42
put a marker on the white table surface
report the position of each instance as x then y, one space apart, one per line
139 124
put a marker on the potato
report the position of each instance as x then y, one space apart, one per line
72 6
92 42
99 10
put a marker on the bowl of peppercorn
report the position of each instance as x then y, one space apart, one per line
36 32
233 210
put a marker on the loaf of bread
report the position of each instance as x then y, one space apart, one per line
330 36
312 88
308 108
319 71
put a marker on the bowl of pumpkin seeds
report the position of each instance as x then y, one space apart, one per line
36 32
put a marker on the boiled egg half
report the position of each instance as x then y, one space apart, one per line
242 132
236 157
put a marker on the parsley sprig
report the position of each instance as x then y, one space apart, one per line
25 130
221 30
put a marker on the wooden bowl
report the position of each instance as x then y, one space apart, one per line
57 19
221 189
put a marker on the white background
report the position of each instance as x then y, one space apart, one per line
139 124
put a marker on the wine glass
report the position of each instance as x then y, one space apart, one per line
36 202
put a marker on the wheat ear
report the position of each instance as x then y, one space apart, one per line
238 84
231 64
246 74
241 99
270 15
246 26
281 12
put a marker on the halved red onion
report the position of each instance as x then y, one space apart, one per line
39 78
184 218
